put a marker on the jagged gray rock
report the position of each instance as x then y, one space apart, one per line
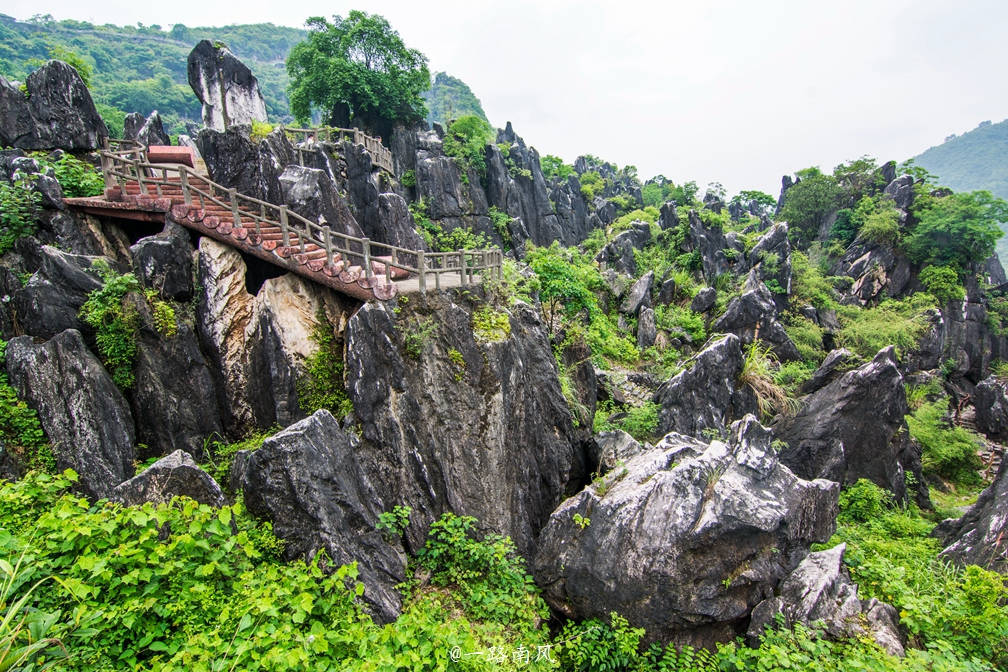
57 113
619 253
980 536
709 244
704 300
511 469
705 395
688 539
901 191
668 216
611 448
175 475
639 295
312 194
754 315
991 407
307 481
853 428
84 415
163 262
877 271
225 86
235 161
147 132
647 332
836 363
50 302
820 589
771 257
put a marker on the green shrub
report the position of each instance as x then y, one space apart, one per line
500 220
465 141
260 130
649 214
321 385
865 331
807 337
864 501
553 167
592 185
807 203
408 179
948 451
218 455
956 230
942 283
19 210
881 227
673 318
415 335
490 324
19 426
792 375
77 178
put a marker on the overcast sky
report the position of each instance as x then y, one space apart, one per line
739 92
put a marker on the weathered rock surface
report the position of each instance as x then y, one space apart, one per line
225 86
619 253
439 181
991 407
688 540
235 161
837 362
771 257
612 448
175 475
163 262
980 536
754 315
58 112
668 216
705 395
50 301
877 271
420 443
84 415
307 481
820 589
647 331
853 428
639 295
148 132
901 191
704 300
312 194
709 244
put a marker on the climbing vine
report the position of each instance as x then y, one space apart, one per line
321 386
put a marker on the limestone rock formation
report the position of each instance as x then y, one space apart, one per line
235 161
877 271
619 253
148 132
820 589
312 194
639 295
307 481
853 428
771 257
991 407
163 262
58 112
175 475
225 86
84 415
980 536
415 407
704 300
688 539
753 315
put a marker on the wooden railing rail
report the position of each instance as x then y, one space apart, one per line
121 167
380 154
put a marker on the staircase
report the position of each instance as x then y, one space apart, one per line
136 189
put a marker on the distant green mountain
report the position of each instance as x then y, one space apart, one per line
142 68
450 97
974 160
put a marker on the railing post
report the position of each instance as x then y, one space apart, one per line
462 268
367 257
327 240
422 272
233 197
284 230
184 183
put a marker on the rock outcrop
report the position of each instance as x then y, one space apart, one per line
58 112
235 161
753 315
877 270
416 407
991 407
980 536
687 540
619 253
50 301
225 86
771 257
148 132
84 415
307 481
175 475
163 262
820 590
853 428
312 194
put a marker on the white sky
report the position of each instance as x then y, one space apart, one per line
735 91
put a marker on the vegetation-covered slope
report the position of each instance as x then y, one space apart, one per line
450 98
974 160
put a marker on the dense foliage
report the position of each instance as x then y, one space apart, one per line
357 68
450 98
465 141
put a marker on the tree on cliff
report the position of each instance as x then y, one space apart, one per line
359 70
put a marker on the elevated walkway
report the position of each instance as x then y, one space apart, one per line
358 267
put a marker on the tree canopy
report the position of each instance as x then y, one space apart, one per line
808 202
357 69
956 230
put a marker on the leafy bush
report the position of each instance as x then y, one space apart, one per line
673 318
949 451
881 227
807 204
490 324
19 426
408 179
649 214
218 455
500 220
260 130
807 337
956 230
640 421
592 185
77 178
865 331
942 283
864 501
553 167
19 210
415 334
465 141
321 386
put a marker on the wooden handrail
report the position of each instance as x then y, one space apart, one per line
380 154
124 166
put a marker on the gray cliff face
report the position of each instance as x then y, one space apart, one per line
148 132
225 86
687 539
491 438
84 415
980 536
235 161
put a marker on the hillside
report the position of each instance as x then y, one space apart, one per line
451 97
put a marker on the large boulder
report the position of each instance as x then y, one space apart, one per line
771 257
877 270
308 482
619 253
175 475
235 161
639 295
312 194
820 590
571 209
415 406
705 395
709 244
753 315
991 406
50 301
58 112
225 86
980 536
148 132
686 539
84 415
163 262
853 428
440 182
